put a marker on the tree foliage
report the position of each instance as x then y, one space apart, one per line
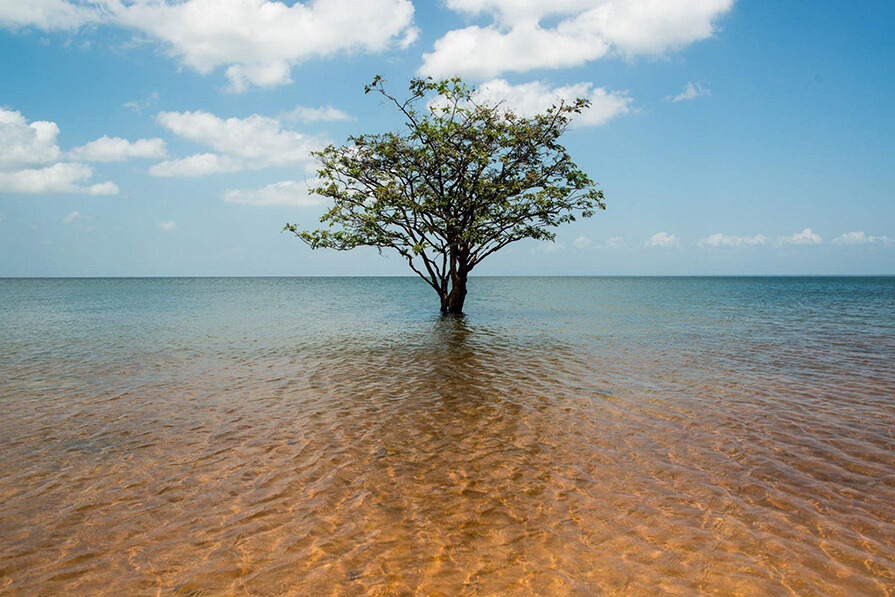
461 181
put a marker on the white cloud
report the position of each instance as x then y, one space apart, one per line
116 149
25 146
259 41
805 237
548 247
262 74
71 217
59 178
411 34
489 51
323 113
586 30
663 239
199 164
242 143
49 15
140 105
24 143
691 91
582 242
515 11
167 226
532 98
615 242
724 240
288 192
103 188
859 238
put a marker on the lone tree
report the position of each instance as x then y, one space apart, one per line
463 180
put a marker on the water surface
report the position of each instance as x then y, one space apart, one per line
631 436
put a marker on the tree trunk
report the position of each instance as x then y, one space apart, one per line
453 301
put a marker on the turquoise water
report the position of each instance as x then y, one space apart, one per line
337 435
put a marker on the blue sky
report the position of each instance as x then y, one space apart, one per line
171 138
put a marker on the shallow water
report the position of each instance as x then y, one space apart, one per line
631 436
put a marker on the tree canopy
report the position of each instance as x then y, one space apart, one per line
461 181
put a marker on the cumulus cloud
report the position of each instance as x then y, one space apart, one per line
663 239
582 242
241 144
691 91
489 51
199 164
71 217
116 149
48 15
306 114
532 98
411 34
27 155
614 242
287 192
167 226
258 41
860 238
724 240
512 11
24 143
102 188
578 31
58 178
805 237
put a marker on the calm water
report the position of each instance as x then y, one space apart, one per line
336 436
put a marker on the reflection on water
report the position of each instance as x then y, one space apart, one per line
583 436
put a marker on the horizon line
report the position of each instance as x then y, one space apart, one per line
311 276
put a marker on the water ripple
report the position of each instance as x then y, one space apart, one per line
631 437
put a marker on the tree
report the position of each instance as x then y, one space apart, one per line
463 180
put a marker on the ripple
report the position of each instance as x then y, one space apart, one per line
496 454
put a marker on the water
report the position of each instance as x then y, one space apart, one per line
631 436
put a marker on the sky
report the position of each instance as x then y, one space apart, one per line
172 138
